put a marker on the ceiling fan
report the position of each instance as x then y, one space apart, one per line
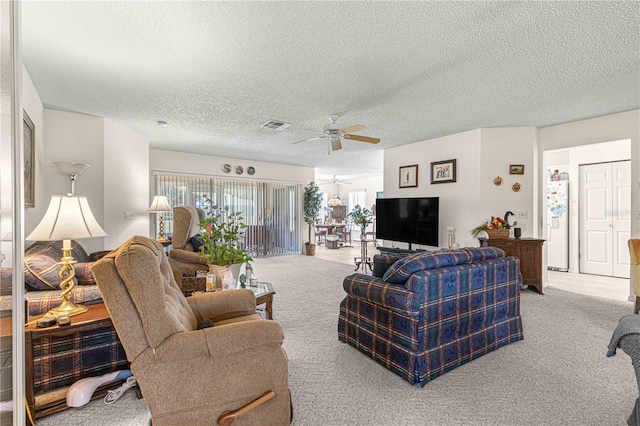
334 134
335 181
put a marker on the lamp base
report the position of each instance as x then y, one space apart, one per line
67 308
161 239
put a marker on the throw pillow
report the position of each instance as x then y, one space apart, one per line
400 271
197 242
479 254
41 269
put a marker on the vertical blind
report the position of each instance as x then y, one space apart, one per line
270 210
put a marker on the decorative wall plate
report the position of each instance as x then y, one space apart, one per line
516 187
497 181
239 170
251 170
226 168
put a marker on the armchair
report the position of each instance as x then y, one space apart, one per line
634 252
189 371
183 257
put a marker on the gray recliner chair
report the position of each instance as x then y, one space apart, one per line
627 337
183 257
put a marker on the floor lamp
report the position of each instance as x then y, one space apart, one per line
68 217
160 204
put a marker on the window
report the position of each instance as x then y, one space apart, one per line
358 197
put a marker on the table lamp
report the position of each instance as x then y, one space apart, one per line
160 204
67 217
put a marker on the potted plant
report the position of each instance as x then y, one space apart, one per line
312 203
361 217
221 234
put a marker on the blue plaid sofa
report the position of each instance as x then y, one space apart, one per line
424 314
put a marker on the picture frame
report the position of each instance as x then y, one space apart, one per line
409 176
28 139
516 169
443 171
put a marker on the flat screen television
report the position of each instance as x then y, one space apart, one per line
408 220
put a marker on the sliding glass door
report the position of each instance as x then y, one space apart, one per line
270 209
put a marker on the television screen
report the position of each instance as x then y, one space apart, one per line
409 220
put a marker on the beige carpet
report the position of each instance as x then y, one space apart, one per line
558 375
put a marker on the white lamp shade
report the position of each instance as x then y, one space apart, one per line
159 204
68 217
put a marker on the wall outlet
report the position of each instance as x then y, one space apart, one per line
522 214
129 215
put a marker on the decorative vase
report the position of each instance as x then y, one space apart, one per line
218 276
497 234
363 231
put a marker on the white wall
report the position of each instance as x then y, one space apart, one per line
126 183
459 201
502 147
78 138
32 104
208 165
614 127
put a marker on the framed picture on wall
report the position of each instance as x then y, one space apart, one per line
28 139
443 171
516 169
409 176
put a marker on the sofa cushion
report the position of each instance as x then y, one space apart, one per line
479 254
41 269
400 271
382 262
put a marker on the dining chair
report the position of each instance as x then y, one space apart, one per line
321 235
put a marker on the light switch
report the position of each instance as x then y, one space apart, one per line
129 215
636 215
522 214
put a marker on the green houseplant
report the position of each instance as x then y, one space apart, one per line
221 234
312 203
361 217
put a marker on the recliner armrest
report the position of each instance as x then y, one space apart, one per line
186 256
222 305
374 290
216 342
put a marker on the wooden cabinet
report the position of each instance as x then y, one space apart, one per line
339 213
529 251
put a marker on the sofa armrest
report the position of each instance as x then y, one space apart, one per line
217 341
221 305
376 291
186 256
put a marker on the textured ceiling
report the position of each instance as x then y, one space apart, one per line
409 71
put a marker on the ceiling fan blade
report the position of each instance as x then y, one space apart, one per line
307 140
352 129
362 138
336 145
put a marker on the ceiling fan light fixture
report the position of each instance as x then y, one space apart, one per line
336 145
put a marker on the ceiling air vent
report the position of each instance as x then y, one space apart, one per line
275 125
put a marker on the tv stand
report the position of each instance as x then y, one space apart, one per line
398 250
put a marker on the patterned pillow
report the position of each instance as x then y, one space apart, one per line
478 254
400 271
382 262
41 269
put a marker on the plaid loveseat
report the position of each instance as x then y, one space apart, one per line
430 313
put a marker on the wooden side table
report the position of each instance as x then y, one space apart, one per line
529 251
55 400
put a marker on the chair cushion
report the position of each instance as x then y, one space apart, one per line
41 264
163 310
400 271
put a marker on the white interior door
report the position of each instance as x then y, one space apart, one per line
621 217
605 208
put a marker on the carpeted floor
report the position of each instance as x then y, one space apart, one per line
558 375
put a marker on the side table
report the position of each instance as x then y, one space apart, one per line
364 260
529 251
41 342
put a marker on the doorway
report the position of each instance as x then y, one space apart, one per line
605 218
